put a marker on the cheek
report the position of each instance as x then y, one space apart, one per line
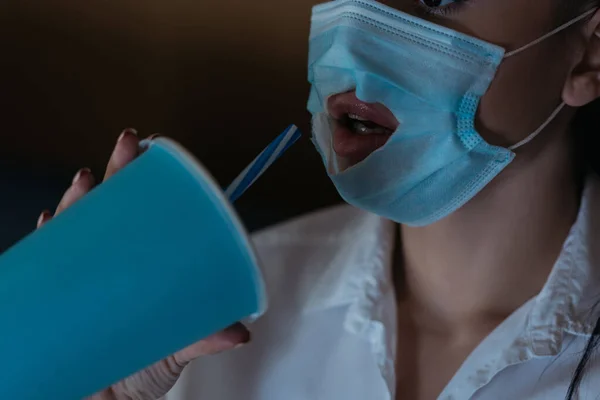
525 92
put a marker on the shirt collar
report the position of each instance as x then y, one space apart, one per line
344 250
355 257
568 301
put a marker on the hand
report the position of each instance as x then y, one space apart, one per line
155 381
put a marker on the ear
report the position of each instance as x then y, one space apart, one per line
583 83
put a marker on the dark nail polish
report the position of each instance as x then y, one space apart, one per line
43 217
80 173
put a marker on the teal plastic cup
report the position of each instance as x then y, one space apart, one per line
149 262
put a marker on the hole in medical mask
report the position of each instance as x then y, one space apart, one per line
357 128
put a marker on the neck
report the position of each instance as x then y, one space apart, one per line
495 253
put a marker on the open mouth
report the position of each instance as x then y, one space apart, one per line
360 128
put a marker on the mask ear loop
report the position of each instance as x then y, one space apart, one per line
538 130
529 45
554 32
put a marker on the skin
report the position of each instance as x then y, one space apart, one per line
457 279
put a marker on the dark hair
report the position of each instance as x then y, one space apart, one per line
584 126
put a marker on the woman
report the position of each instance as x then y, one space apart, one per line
487 287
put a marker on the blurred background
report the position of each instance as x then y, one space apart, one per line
223 77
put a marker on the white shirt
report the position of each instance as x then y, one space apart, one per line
330 332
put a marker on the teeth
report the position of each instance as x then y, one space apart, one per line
362 126
362 129
357 117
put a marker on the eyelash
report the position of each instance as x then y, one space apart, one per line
442 11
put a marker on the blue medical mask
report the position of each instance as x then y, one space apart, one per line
432 79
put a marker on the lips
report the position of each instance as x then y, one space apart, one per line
360 128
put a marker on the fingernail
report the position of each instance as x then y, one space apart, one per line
128 131
237 346
79 174
43 216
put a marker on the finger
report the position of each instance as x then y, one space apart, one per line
232 337
45 216
83 182
126 150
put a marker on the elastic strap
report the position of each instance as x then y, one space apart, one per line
547 35
539 130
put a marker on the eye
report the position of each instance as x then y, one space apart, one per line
440 7
437 3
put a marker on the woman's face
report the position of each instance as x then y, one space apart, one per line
528 86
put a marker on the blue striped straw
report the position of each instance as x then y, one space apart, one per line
261 163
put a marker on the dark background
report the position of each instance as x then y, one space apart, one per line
223 77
